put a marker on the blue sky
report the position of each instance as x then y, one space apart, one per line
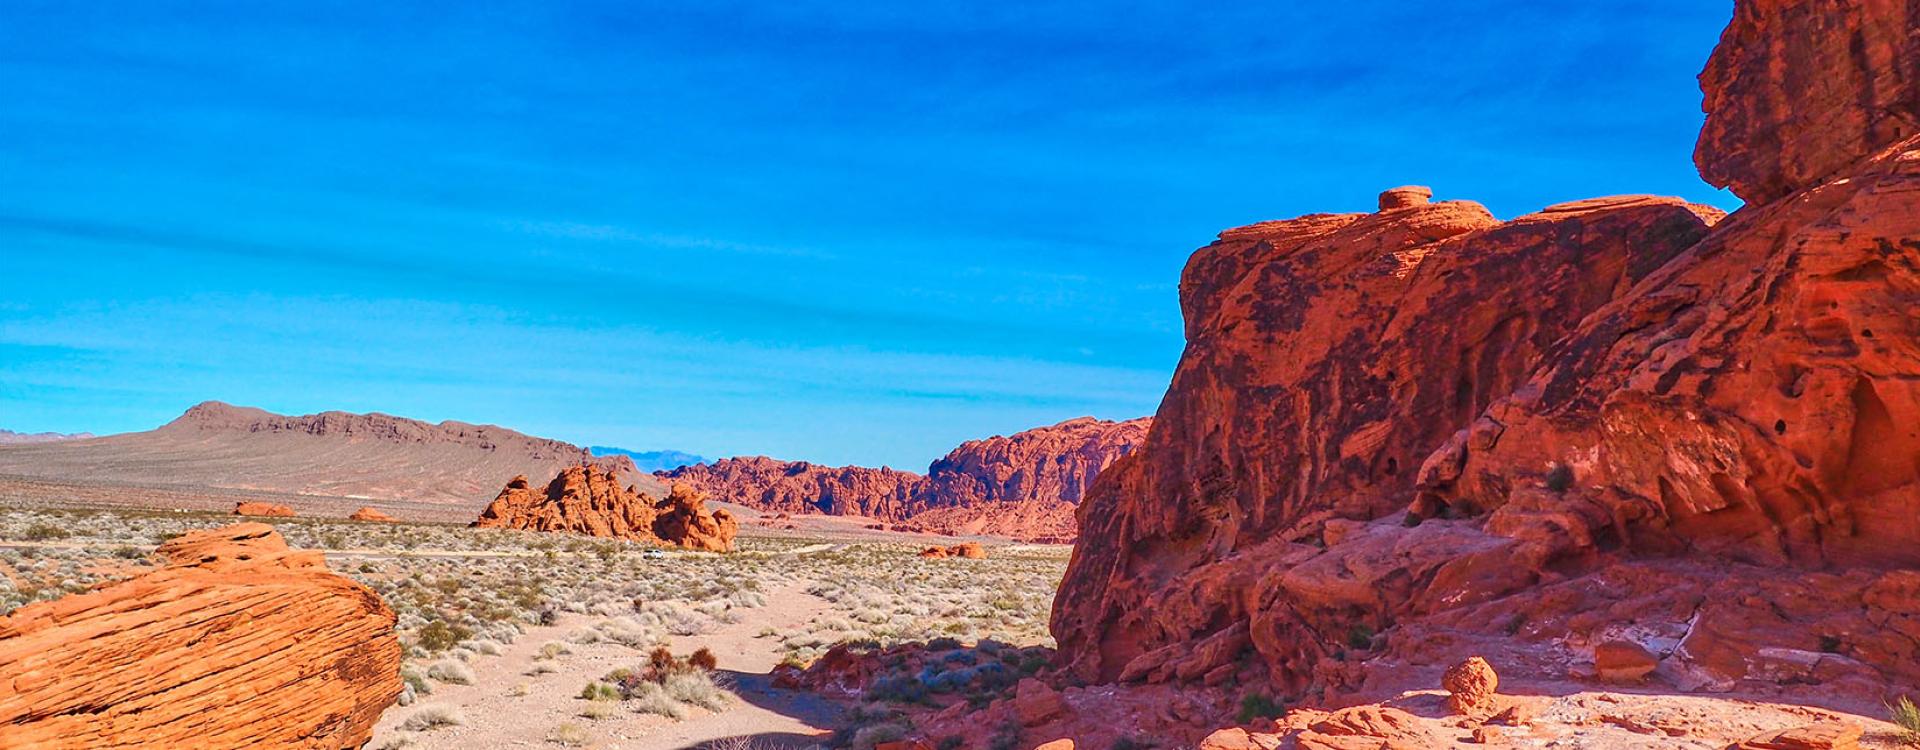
840 232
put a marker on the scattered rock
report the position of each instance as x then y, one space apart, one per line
1623 662
1487 735
1471 687
1826 735
236 642
1036 703
255 508
370 514
1060 744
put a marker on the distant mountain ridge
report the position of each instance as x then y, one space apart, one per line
448 470
1023 485
651 461
9 437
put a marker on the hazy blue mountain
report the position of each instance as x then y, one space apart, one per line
650 461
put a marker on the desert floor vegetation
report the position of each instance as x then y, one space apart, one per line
559 640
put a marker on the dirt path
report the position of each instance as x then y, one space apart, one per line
497 717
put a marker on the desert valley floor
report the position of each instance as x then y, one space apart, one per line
506 631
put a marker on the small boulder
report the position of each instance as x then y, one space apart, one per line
1405 196
1824 735
1623 662
262 509
1036 703
1060 744
1471 687
369 514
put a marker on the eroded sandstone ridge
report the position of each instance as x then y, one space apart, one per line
237 642
1023 485
591 500
1400 437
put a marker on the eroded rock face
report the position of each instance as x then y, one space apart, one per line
1326 357
1799 90
1402 437
590 500
1023 485
256 508
236 642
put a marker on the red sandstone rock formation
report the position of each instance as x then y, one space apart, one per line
590 500
236 642
256 508
1799 90
370 514
969 550
1472 687
685 520
798 487
1023 485
1623 417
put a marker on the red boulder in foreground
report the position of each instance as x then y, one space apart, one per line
236 642
1423 433
269 510
591 500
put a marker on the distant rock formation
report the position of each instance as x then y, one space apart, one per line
591 500
370 514
1022 486
1400 437
257 508
969 550
9 437
798 487
339 460
237 642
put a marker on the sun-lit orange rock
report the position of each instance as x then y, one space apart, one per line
591 500
236 642
1423 433
263 509
370 514
1800 90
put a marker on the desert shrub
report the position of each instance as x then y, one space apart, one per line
1906 716
1258 706
600 691
652 698
42 532
696 688
451 671
434 716
439 636
569 734
1359 637
703 660
552 650
899 689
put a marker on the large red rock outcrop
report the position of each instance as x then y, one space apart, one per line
1800 90
265 509
1400 437
1326 356
236 642
370 514
1023 485
591 500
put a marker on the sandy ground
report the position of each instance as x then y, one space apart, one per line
770 717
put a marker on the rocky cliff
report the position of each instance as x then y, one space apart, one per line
236 642
593 501
1023 485
1400 436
